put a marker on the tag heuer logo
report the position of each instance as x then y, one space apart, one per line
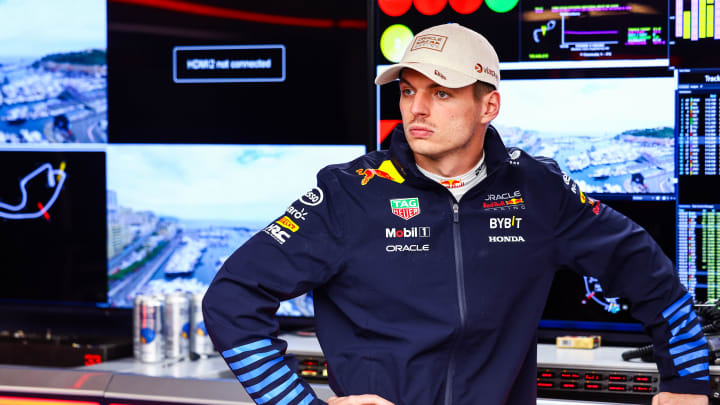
405 208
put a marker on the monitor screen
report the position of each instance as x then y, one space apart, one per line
694 34
236 73
176 212
607 144
698 170
53 72
52 226
533 30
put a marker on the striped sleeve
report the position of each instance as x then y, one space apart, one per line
263 371
687 347
280 262
595 240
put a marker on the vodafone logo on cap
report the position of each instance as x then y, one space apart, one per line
490 72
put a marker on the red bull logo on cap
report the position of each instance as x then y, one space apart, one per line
386 171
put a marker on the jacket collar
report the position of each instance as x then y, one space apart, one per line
403 159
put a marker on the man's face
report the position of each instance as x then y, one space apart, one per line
441 123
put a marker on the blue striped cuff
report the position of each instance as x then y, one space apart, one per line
308 398
258 371
686 347
674 307
679 314
268 380
291 395
693 369
252 359
687 335
280 388
690 356
683 324
246 348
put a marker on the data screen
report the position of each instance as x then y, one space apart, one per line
698 108
571 30
694 34
697 255
697 171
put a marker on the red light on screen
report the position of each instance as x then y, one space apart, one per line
42 401
465 6
42 208
429 7
91 359
394 8
386 128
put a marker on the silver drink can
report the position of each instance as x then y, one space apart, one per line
177 326
137 304
148 328
200 344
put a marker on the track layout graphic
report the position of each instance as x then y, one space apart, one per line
28 209
593 291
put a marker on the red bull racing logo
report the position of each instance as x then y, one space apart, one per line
504 201
452 183
386 171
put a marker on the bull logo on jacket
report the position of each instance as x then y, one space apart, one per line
386 171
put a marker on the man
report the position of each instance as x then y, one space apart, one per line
418 298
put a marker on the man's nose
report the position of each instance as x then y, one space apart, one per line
420 105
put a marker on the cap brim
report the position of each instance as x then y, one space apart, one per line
439 74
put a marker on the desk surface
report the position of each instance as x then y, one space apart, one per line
209 381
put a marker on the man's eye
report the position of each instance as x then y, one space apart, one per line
442 94
407 92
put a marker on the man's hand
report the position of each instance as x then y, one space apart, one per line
667 398
361 400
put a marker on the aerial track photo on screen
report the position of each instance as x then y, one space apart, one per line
611 135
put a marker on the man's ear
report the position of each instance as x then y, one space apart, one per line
490 106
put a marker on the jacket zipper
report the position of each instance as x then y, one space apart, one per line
462 304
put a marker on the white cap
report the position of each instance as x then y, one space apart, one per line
450 55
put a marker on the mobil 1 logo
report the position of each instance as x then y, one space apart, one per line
412 232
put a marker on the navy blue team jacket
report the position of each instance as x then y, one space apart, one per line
424 300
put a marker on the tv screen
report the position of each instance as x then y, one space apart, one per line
176 212
53 72
52 226
237 73
694 34
606 143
